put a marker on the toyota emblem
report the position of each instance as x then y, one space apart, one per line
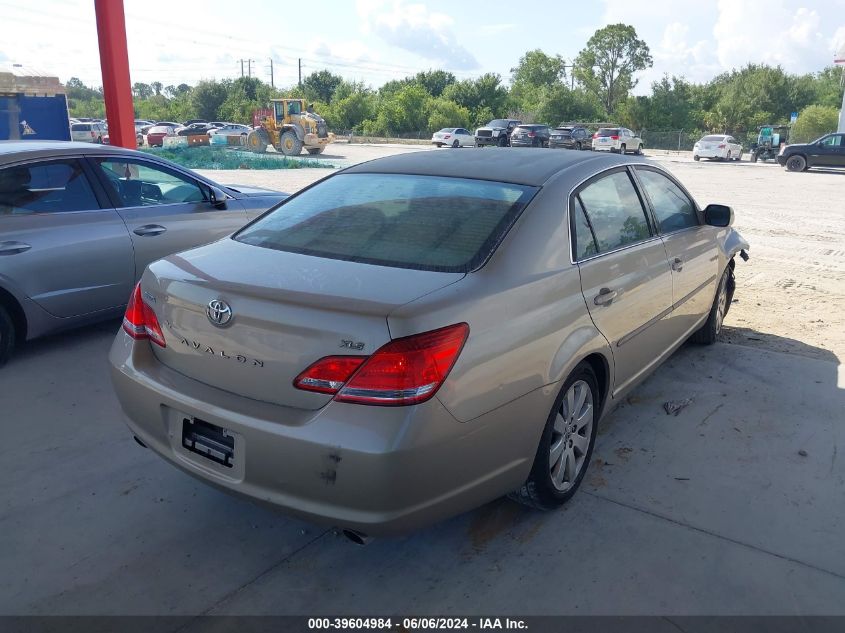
219 312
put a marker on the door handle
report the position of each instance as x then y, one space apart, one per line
605 296
13 248
149 230
677 264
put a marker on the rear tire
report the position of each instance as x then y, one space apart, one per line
640 149
456 144
796 163
709 332
566 445
578 146
754 157
696 157
7 335
623 150
503 141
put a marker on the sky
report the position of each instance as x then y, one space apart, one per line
184 41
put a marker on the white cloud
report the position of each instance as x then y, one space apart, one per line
769 31
412 27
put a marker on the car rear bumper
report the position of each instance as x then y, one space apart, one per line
605 148
528 143
379 470
711 153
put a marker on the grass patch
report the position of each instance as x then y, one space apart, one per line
224 158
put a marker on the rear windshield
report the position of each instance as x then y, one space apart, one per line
498 123
81 127
713 138
608 131
160 129
404 221
531 127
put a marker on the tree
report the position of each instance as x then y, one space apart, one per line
814 121
535 68
434 81
157 87
320 85
350 112
142 91
445 113
606 66
206 98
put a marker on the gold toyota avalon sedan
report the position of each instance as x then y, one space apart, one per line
414 336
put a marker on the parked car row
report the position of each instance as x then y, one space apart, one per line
515 133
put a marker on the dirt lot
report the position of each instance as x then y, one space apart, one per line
791 294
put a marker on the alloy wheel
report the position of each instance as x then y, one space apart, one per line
571 435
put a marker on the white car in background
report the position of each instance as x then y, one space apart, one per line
453 137
619 140
717 146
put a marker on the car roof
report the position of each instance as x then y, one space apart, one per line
15 150
506 164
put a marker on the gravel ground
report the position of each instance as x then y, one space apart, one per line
790 295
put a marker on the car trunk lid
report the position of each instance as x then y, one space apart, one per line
287 311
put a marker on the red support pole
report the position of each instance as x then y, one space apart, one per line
114 61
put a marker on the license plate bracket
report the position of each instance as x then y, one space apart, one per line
212 442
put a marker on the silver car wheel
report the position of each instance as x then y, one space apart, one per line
722 303
571 435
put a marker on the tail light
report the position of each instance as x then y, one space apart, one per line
722 146
532 134
140 322
405 371
614 138
596 135
447 136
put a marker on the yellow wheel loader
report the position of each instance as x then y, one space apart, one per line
289 127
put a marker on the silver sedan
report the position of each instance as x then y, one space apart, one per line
79 223
417 335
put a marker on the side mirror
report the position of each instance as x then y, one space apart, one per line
217 197
718 215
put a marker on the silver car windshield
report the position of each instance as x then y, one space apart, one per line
406 221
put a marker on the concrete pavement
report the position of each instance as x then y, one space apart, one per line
734 506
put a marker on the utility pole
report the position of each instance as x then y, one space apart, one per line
272 84
571 75
242 67
249 66
300 72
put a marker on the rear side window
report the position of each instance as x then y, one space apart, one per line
615 212
672 207
49 187
405 221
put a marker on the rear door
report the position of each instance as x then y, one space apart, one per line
625 276
690 247
60 242
165 210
